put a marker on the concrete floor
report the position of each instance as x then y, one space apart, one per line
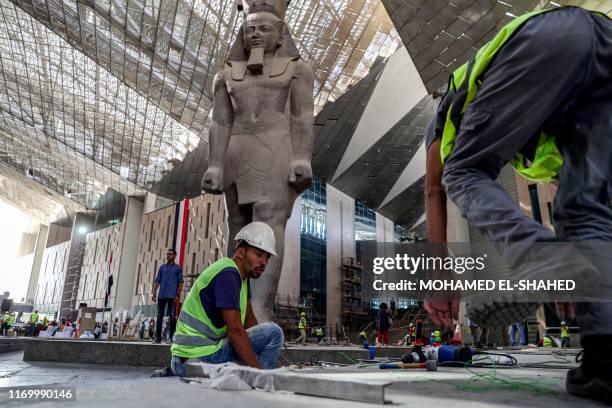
116 386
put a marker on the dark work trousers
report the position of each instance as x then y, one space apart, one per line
162 304
554 75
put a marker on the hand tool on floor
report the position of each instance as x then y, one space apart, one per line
429 365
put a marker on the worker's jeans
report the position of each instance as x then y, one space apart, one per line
512 333
162 304
266 340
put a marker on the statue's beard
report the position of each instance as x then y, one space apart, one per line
256 59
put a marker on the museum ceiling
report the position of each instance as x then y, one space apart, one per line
116 94
440 35
98 95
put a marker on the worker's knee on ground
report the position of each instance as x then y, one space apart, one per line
274 332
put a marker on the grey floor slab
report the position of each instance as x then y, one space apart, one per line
120 386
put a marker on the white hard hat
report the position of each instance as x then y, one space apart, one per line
259 235
563 322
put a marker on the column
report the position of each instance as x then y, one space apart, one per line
39 249
132 221
340 244
289 284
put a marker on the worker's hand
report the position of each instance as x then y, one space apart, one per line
300 175
212 182
442 313
442 305
154 297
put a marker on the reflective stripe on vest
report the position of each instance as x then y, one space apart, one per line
199 326
194 341
465 82
196 335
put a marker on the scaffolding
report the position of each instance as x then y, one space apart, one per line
355 312
287 311
71 281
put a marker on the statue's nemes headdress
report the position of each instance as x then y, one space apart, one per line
276 7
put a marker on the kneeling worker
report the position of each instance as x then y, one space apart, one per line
217 323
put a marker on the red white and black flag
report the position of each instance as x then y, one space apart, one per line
181 223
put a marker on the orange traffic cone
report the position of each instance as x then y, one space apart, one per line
457 341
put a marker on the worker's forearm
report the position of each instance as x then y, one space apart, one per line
239 340
179 289
250 321
436 216
155 287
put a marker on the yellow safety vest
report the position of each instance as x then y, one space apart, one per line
196 335
564 331
302 323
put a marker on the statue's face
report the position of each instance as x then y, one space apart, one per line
262 30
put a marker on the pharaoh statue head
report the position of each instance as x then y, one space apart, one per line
263 31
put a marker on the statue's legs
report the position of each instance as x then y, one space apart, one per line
237 217
275 214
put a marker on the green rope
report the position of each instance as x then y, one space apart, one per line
353 361
494 380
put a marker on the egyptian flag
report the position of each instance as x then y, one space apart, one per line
181 223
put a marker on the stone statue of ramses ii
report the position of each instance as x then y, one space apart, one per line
261 135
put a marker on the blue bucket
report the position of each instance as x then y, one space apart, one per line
454 353
447 353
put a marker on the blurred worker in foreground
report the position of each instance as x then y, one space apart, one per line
540 97
217 323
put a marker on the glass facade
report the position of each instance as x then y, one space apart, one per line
365 227
399 232
313 259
